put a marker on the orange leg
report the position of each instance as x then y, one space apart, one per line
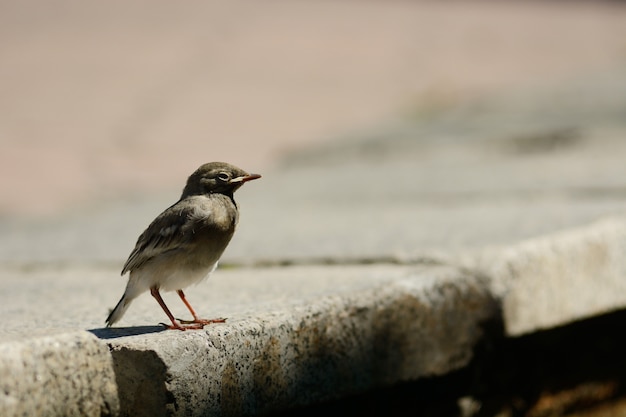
197 320
175 324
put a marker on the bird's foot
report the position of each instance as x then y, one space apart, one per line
195 324
203 322
184 326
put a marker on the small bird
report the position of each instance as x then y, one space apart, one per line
184 243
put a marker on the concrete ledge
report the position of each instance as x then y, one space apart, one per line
424 324
303 334
67 374
560 278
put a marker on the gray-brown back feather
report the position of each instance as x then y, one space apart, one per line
164 234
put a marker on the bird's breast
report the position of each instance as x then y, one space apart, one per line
211 226
217 212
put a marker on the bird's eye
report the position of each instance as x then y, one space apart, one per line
223 176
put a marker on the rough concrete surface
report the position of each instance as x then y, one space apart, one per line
557 279
325 348
296 335
68 374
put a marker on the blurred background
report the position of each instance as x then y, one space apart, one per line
104 100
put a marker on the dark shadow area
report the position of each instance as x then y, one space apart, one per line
566 371
141 380
115 332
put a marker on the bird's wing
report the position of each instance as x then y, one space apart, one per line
168 232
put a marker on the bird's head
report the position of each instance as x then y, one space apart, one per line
217 177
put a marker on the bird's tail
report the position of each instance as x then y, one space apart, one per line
119 310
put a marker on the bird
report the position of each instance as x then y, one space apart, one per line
183 244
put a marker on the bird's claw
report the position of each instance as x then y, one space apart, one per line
204 322
181 327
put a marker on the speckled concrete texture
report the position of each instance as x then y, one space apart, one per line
423 323
66 374
301 334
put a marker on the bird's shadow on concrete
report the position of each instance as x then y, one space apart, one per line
115 332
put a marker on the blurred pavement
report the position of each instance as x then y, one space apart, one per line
101 102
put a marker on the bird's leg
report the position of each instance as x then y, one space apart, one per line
175 324
181 294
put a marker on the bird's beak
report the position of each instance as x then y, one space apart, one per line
245 178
